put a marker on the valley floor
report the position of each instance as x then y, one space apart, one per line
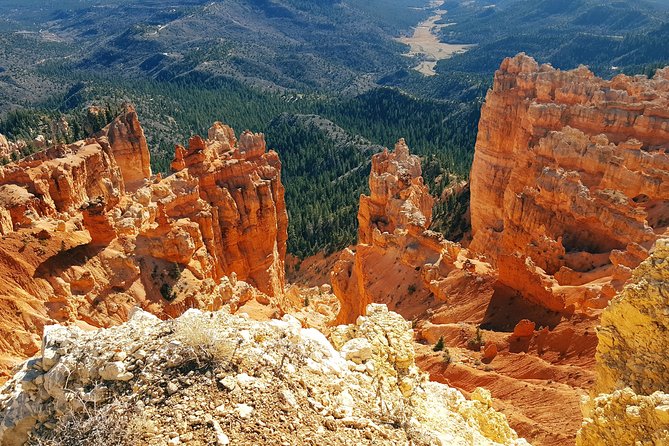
425 42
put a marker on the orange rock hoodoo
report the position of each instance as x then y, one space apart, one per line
570 182
245 221
397 260
86 233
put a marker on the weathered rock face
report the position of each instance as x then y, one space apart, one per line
632 348
630 403
85 234
569 192
363 387
399 199
242 184
60 180
10 149
5 147
570 173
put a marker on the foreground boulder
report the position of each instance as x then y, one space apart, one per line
217 378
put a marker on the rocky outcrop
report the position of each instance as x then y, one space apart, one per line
632 348
399 199
10 150
570 177
205 377
242 184
630 402
59 181
86 233
6 148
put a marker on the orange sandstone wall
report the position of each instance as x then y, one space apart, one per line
570 182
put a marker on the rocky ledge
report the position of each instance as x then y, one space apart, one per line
213 378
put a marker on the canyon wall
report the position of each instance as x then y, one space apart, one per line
630 401
570 182
86 233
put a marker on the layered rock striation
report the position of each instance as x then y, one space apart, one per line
630 402
204 378
570 181
87 233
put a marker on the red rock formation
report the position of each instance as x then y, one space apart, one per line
86 233
59 181
569 190
242 186
569 176
398 199
524 329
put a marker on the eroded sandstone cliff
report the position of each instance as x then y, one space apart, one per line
568 194
454 296
87 233
570 181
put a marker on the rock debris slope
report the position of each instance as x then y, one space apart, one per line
86 233
217 378
630 402
570 181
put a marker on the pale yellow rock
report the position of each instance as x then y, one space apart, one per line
630 405
623 418
634 333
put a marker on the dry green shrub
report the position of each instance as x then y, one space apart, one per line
206 336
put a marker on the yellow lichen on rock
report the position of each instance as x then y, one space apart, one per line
634 333
632 363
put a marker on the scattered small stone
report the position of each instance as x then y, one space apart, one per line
221 438
115 371
172 388
244 410
229 382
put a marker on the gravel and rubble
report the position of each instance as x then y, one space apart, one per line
219 379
